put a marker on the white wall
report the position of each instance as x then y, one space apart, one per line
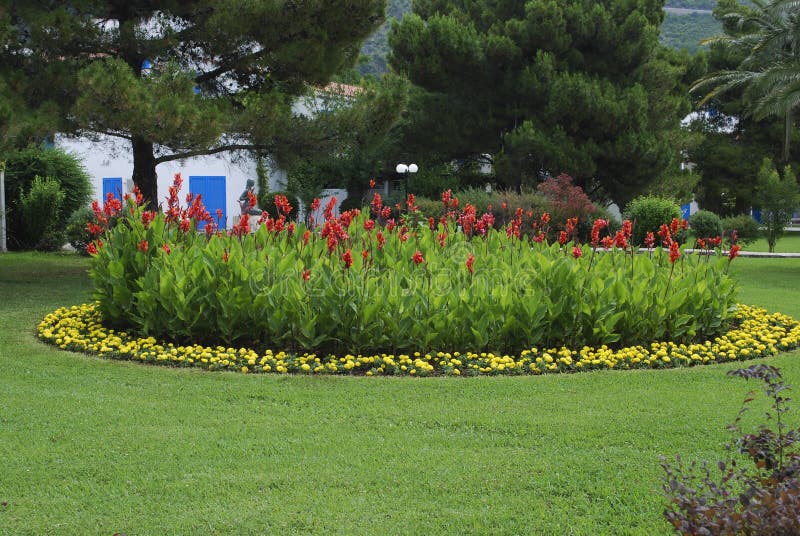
109 158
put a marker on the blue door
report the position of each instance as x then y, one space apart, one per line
212 188
112 185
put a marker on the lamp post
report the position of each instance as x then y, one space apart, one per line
402 169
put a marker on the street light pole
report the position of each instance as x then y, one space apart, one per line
402 169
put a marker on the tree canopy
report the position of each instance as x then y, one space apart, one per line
181 78
545 86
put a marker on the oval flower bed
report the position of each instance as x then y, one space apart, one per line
755 334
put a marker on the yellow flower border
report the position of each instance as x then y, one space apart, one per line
756 334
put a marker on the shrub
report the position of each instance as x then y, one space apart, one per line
565 200
705 224
351 203
39 212
648 213
747 229
778 198
764 499
347 288
21 169
76 232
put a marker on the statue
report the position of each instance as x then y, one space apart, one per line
245 204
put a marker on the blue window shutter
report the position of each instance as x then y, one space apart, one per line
112 185
212 188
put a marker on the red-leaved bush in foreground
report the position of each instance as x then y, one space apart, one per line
760 498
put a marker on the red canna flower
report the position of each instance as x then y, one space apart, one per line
143 246
372 183
504 205
315 204
417 257
91 249
674 252
470 262
441 238
306 236
666 235
347 257
545 219
599 225
577 252
620 241
539 238
364 254
650 239
701 243
734 252
432 224
410 203
369 225
94 229
290 229
147 217
225 256
166 249
381 240
607 242
562 237
627 229
446 196
306 275
674 226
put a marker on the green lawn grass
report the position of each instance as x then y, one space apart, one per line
91 446
788 243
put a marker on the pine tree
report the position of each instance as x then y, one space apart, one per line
222 75
546 86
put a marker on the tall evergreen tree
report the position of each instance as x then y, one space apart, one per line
545 86
182 78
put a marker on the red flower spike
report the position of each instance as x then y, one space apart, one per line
381 240
347 258
470 262
577 252
166 249
607 242
143 246
417 257
91 249
365 254
225 256
734 252
650 239
372 183
674 252
306 275
315 204
306 236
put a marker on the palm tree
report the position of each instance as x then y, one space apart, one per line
770 72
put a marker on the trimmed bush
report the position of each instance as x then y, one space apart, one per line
76 232
39 211
747 229
705 224
21 169
648 213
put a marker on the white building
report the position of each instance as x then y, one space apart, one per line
219 178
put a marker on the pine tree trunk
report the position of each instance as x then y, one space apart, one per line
144 171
